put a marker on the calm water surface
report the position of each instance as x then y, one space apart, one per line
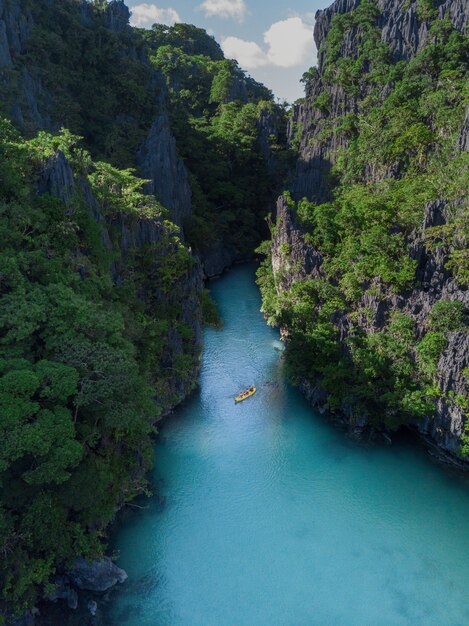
269 516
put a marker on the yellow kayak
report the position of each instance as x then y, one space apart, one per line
246 394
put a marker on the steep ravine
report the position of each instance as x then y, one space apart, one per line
317 132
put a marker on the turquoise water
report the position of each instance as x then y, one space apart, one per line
267 515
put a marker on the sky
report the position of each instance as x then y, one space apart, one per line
271 39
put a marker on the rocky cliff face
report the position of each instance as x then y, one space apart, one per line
405 34
131 236
23 93
33 107
312 132
168 177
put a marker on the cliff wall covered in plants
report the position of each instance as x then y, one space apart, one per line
368 267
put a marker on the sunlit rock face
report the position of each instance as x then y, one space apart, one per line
406 33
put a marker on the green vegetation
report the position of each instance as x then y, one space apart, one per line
215 111
81 358
400 155
210 313
101 90
97 334
108 88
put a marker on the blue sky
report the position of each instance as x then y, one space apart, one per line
272 40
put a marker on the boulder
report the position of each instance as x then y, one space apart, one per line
95 575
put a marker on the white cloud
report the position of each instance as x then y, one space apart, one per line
224 8
145 15
248 53
288 43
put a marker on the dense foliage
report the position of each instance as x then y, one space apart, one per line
108 86
81 357
94 81
401 154
215 111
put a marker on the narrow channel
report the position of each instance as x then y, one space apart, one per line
266 515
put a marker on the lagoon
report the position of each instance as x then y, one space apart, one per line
264 514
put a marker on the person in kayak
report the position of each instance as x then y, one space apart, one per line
251 390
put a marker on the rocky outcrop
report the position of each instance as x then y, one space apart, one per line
218 257
159 162
146 234
445 427
22 94
312 127
98 576
271 135
400 23
95 577
5 56
117 16
293 258
463 139
57 178
15 27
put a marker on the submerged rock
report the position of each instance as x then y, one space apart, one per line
92 607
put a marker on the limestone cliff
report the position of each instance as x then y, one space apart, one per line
313 132
168 177
144 243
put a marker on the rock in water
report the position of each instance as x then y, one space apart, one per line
97 575
92 607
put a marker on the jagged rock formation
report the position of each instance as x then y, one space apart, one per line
23 93
117 16
34 107
95 576
405 32
132 235
160 164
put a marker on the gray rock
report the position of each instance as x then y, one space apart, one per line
292 258
117 16
5 56
57 178
96 576
92 607
447 425
217 258
159 162
463 139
